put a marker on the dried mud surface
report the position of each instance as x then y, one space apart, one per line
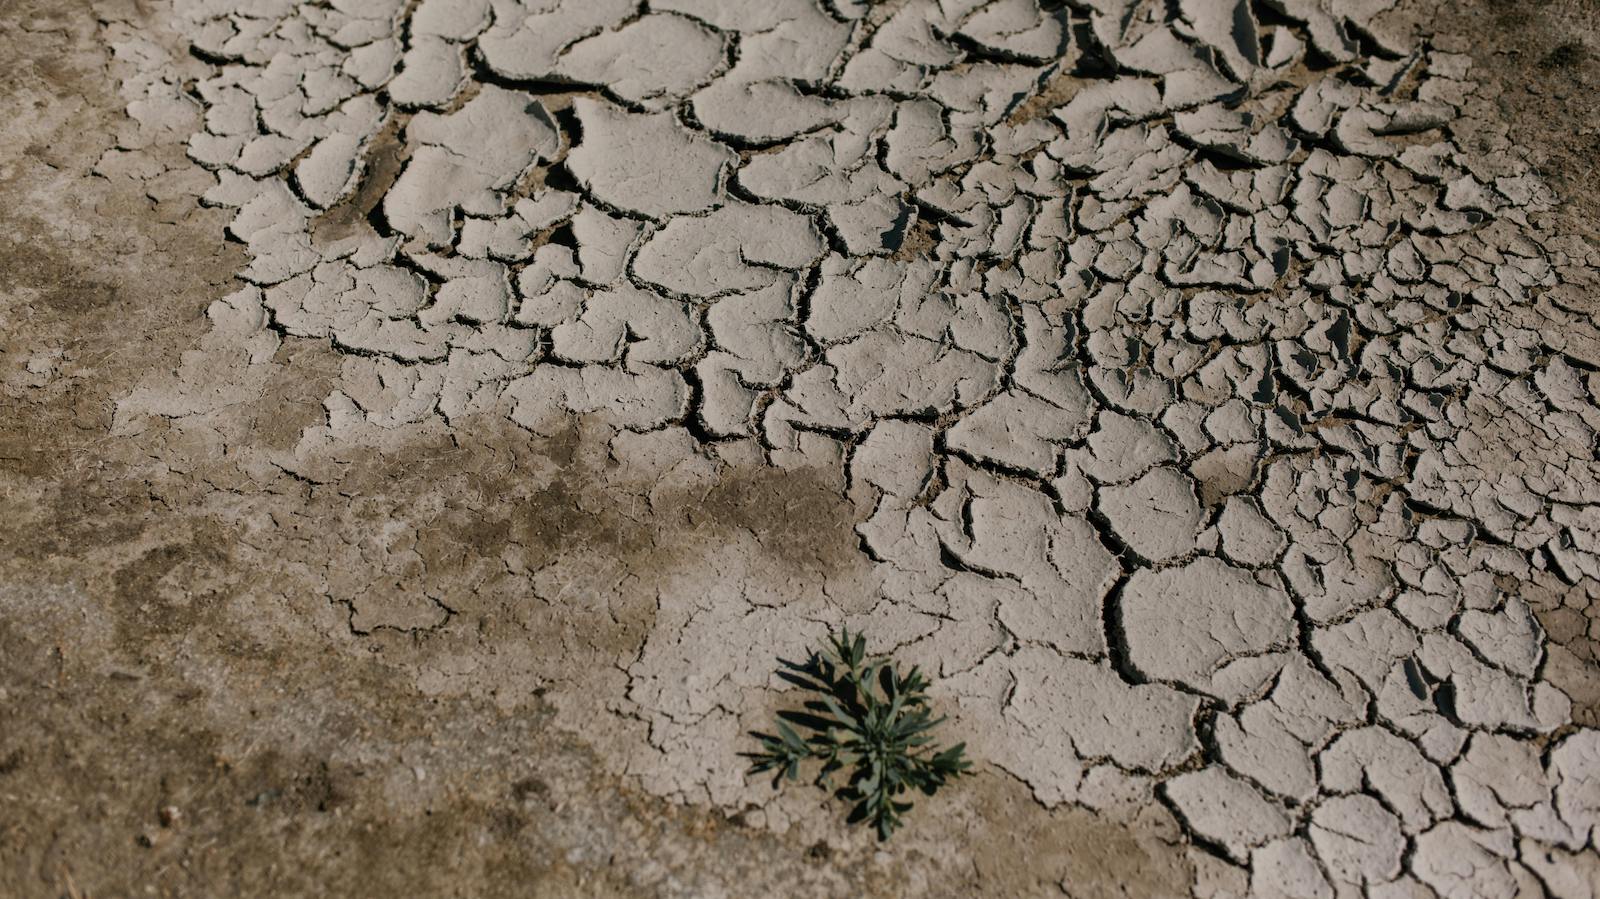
270 624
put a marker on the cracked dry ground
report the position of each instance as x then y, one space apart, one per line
426 423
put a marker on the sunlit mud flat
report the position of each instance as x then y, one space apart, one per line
457 408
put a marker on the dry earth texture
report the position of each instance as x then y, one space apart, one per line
426 423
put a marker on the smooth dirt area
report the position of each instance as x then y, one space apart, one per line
424 427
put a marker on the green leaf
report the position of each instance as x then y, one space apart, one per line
790 738
866 716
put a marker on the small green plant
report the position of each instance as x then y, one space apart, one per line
867 717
